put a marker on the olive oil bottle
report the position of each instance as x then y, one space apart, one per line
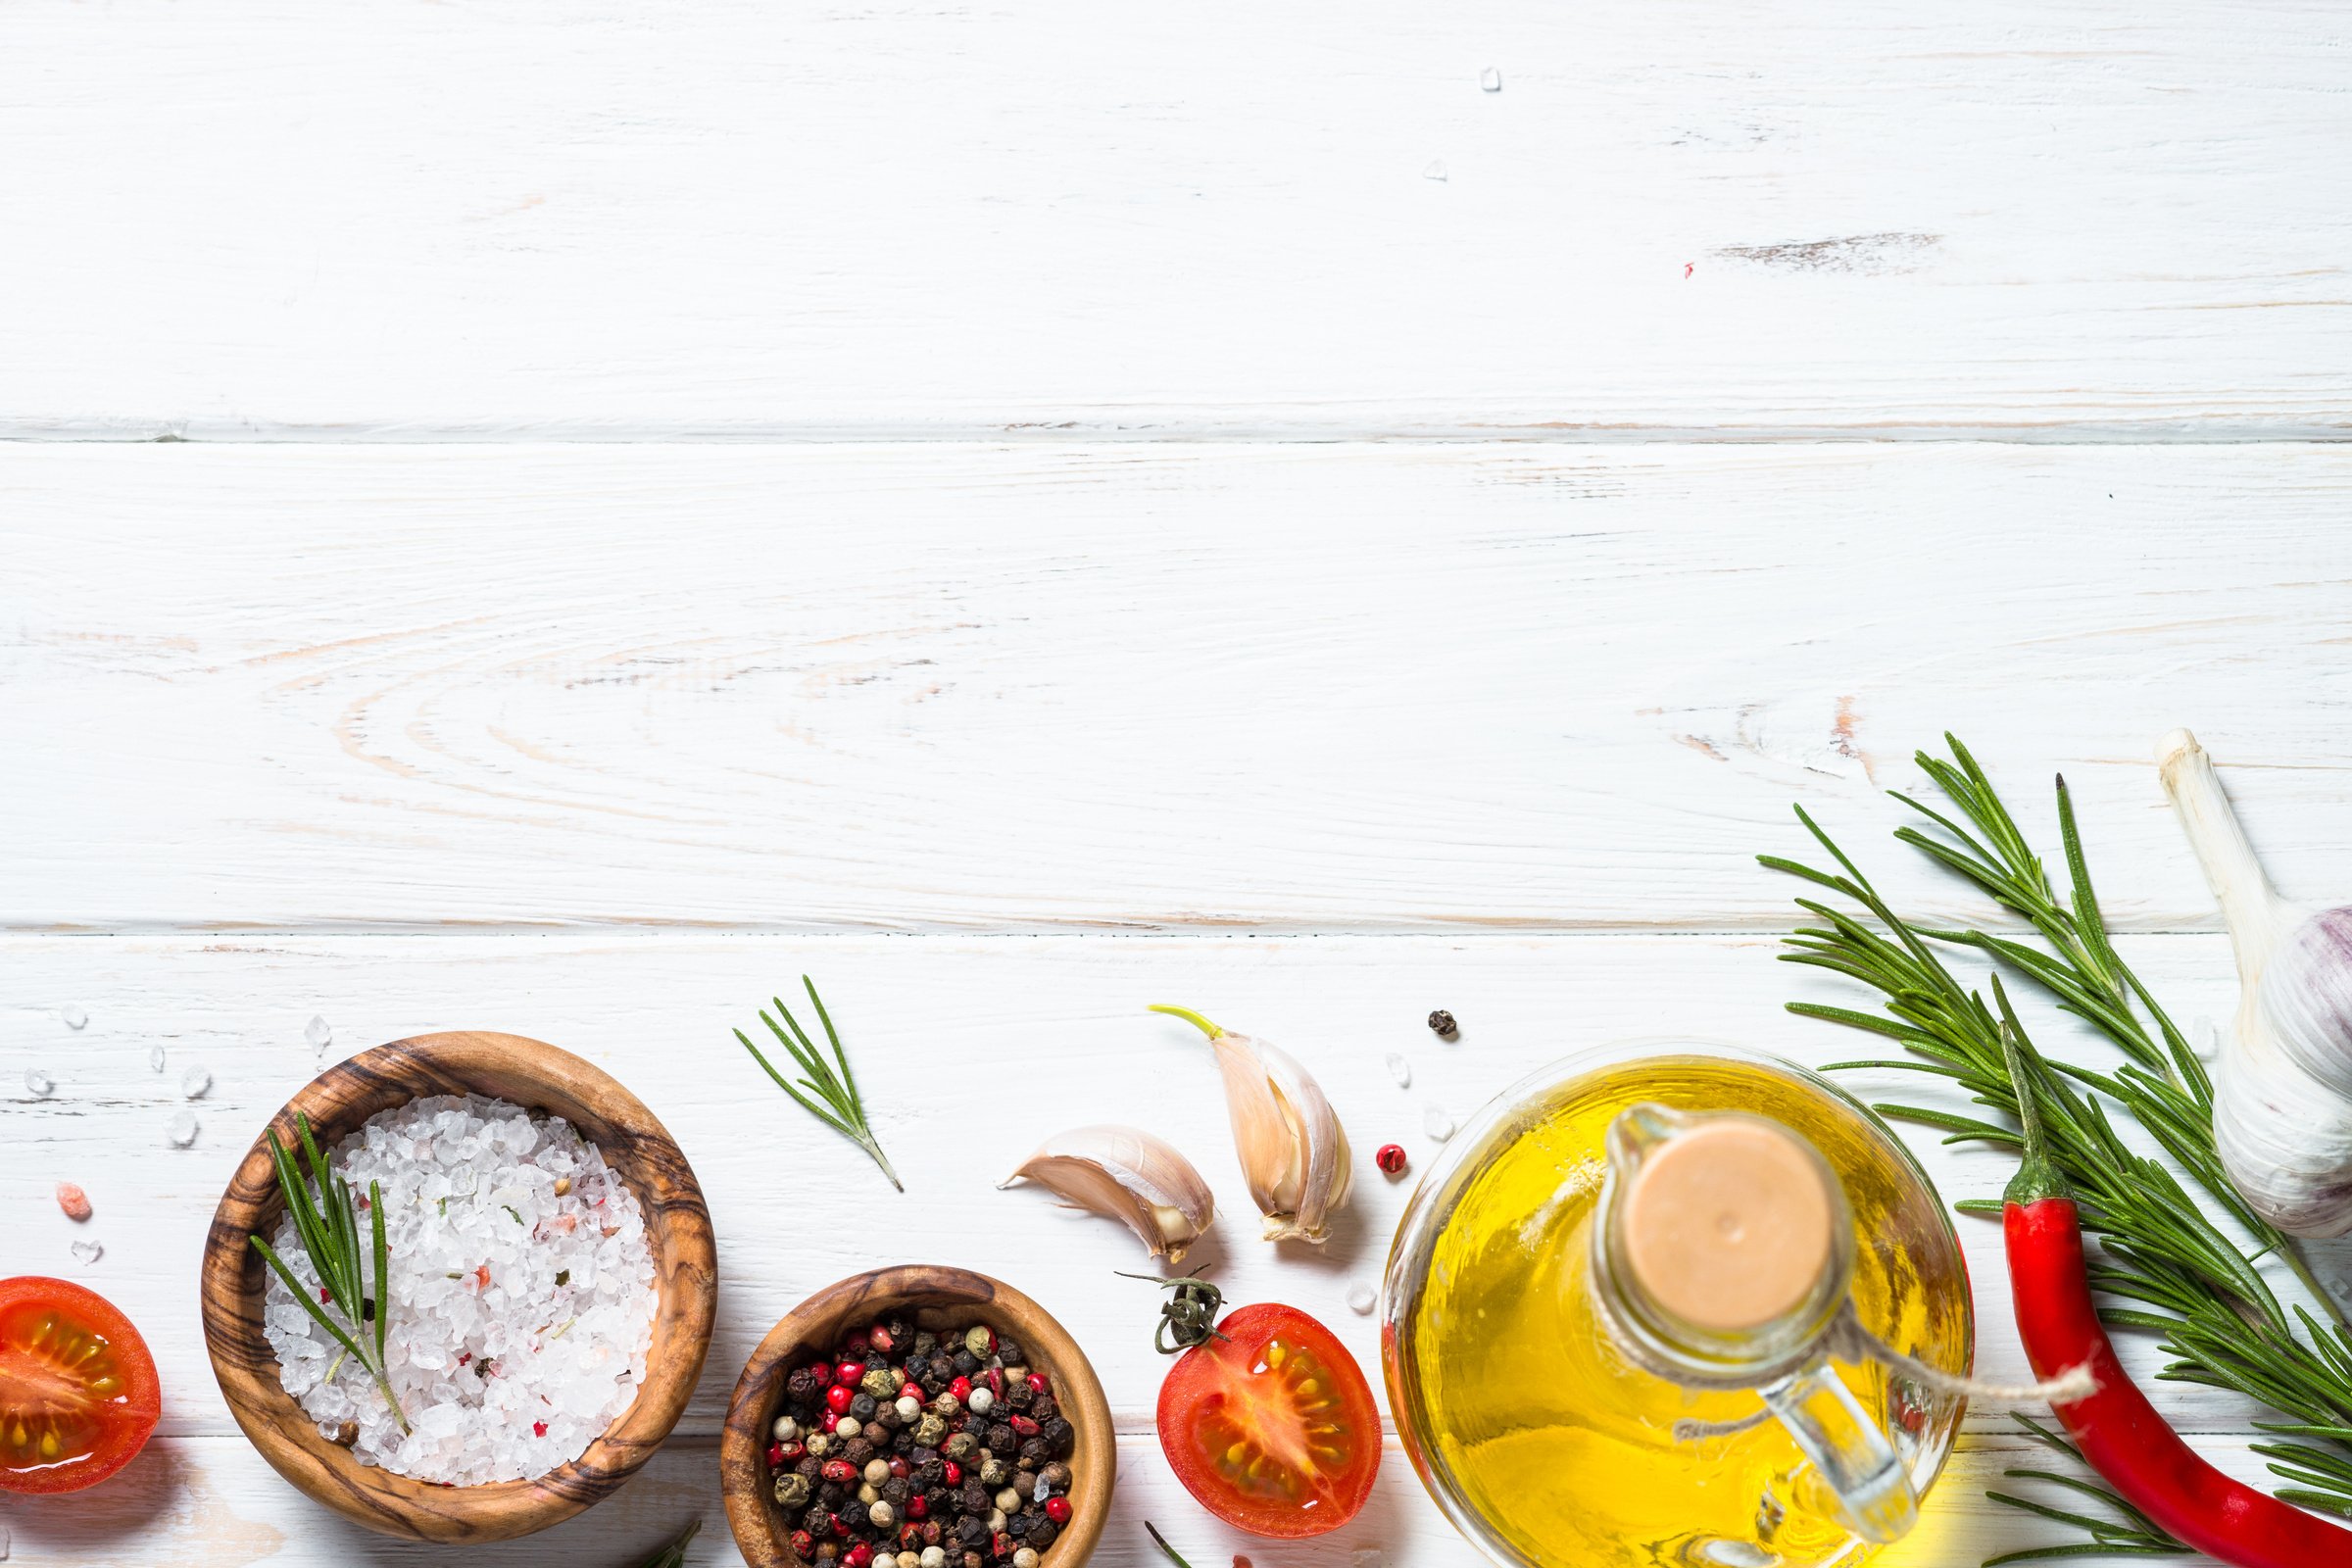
1558 1431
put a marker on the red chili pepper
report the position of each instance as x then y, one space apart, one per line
2119 1433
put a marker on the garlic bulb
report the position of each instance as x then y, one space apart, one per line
2282 1103
1291 1145
1129 1175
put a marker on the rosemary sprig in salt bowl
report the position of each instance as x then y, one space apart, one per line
329 1229
836 1102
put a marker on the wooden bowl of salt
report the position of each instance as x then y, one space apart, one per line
635 1146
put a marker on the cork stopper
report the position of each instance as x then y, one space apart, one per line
1727 1226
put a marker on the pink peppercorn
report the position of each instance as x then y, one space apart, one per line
74 1201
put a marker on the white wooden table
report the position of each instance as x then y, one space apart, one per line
563 517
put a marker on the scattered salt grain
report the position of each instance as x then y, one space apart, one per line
1362 1297
1437 1123
1401 1069
74 1017
1436 170
74 1201
39 1084
1490 80
155 1058
522 1296
182 1129
88 1251
318 1033
195 1082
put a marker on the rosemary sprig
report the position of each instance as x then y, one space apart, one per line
673 1555
328 1226
2132 1534
2184 1277
836 1100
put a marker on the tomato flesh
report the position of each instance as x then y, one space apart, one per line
1272 1428
79 1395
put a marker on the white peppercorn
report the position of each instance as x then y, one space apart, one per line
1026 1557
907 1407
881 1513
1008 1501
932 1557
786 1429
982 1402
877 1471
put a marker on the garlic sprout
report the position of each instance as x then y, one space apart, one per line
1128 1175
1292 1148
2282 1103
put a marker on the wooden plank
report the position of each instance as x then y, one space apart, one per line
1274 687
209 1503
743 219
998 1038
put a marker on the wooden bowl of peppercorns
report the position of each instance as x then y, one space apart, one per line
932 1417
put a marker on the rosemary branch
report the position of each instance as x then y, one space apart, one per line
328 1226
1162 1541
836 1102
673 1555
2183 1277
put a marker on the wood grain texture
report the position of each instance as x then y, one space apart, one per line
525 1072
209 1503
937 1298
1281 688
1715 220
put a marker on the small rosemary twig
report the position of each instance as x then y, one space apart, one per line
837 1103
328 1226
673 1555
1160 1541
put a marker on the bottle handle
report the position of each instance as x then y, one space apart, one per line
1855 1457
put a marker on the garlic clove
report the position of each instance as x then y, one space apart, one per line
1292 1151
1130 1176
2282 1096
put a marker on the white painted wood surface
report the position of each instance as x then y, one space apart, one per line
1710 217
1026 511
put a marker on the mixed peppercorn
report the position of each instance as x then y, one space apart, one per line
916 1449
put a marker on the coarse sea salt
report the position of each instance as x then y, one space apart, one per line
521 1319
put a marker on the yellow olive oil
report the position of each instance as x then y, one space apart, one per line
1518 1403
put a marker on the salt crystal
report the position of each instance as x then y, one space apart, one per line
195 1082
1437 1123
74 1017
1490 80
1399 1069
182 1129
318 1033
1436 169
155 1058
88 1251
39 1084
1362 1297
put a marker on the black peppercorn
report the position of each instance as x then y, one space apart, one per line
1056 1477
973 1499
1042 1409
928 1471
1010 1352
976 1425
862 1408
896 1491
811 1467
801 1387
1001 1440
857 1451
1035 1450
971 1531
1061 1437
1043 1533
1442 1024
818 1521
1019 1394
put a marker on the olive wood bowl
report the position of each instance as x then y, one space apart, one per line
527 1073
936 1298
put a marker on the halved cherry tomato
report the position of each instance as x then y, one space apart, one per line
1272 1428
77 1389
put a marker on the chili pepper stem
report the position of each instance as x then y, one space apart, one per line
2037 1175
1190 1016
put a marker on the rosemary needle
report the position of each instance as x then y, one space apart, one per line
830 1095
673 1555
1160 1541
